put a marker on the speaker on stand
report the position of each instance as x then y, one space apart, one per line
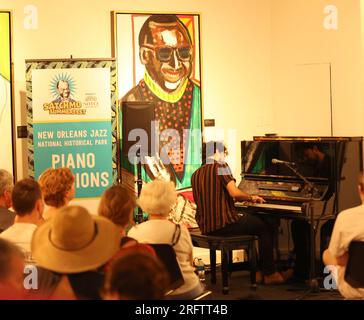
137 132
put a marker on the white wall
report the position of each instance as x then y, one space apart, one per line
300 93
235 37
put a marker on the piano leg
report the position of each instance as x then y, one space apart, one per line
230 263
252 253
225 270
213 266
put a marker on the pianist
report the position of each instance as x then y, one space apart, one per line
214 191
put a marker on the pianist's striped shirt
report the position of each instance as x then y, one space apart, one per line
215 207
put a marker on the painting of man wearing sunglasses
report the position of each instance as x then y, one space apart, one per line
167 52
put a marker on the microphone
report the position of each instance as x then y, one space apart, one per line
277 161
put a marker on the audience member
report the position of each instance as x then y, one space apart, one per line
28 205
70 250
117 204
136 276
6 186
58 189
349 226
11 271
157 198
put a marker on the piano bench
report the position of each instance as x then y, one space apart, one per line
227 244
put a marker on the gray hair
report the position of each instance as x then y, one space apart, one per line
158 197
7 250
6 181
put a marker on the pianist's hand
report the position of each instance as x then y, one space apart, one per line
257 199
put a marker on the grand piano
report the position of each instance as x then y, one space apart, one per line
298 174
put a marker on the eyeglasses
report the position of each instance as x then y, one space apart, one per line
164 54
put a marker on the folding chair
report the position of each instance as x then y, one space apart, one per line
167 256
354 273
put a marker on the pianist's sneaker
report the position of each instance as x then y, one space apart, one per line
274 278
287 274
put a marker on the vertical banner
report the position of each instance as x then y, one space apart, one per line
6 114
71 117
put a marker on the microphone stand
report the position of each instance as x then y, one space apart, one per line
139 182
311 187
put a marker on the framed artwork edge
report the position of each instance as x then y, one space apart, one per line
12 96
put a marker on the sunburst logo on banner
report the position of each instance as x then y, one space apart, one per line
65 77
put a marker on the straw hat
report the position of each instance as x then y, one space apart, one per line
74 241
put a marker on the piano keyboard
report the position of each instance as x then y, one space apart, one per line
270 206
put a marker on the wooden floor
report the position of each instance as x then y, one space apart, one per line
239 285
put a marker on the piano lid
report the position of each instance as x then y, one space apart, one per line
313 158
273 137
